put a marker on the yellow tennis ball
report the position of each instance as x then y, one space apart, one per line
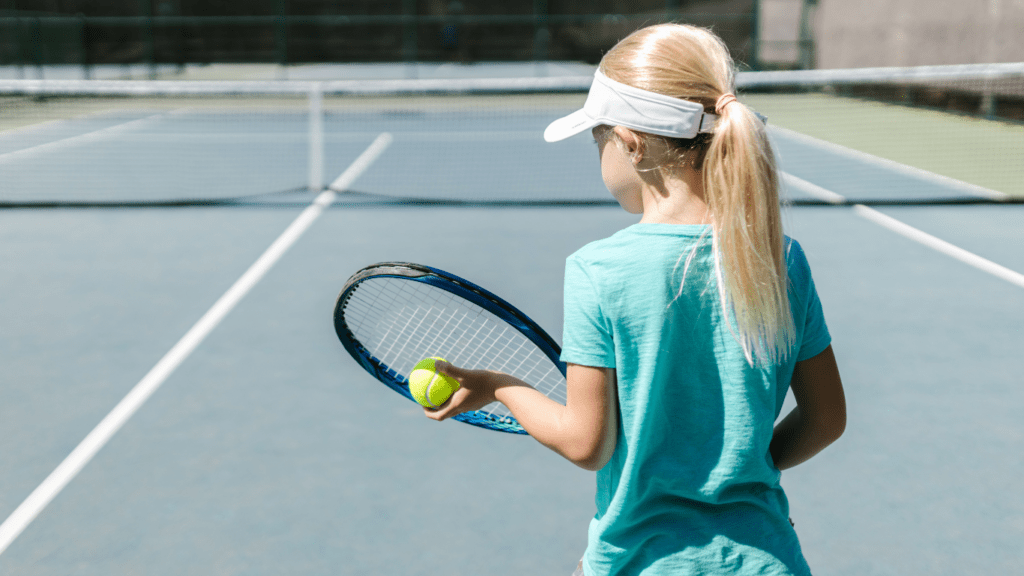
428 386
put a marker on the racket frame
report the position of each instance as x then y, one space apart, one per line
455 285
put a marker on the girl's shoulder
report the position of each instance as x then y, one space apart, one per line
794 251
795 256
797 267
599 250
628 242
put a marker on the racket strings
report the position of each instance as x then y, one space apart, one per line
400 322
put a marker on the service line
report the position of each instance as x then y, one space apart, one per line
80 139
105 430
906 230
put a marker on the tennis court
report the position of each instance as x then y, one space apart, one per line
268 450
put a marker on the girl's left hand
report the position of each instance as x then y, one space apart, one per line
476 390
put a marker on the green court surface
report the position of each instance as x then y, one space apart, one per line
988 153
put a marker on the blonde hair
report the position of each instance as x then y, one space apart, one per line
738 172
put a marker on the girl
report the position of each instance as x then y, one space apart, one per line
682 332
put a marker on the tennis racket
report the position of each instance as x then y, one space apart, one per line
391 315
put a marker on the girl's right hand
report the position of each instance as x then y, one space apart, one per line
476 390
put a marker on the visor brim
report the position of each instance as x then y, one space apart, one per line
570 125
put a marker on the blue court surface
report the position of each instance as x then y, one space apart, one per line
267 450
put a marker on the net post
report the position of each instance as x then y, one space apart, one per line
316 137
987 105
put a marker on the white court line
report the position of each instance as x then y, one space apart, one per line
940 245
811 189
972 189
28 128
908 231
20 130
349 176
79 139
101 434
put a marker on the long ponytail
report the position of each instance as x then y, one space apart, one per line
742 191
740 179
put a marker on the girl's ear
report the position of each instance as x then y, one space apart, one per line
629 139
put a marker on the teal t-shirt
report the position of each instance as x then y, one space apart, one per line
691 487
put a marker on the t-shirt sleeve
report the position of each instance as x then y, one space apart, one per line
815 332
586 334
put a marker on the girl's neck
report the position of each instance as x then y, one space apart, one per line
674 198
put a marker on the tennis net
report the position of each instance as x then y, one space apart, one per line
928 135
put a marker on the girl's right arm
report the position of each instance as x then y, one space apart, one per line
820 414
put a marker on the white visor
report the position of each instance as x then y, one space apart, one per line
616 104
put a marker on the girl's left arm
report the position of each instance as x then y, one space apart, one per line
584 431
